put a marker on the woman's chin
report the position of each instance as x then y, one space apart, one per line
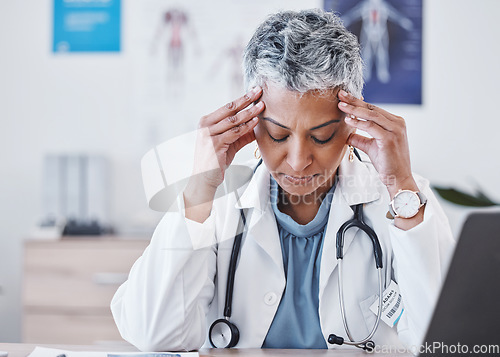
303 186
298 188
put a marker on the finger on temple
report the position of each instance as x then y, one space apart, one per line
350 99
235 106
368 126
363 114
229 137
232 121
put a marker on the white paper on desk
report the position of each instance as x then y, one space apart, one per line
52 352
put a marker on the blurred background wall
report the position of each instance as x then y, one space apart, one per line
104 104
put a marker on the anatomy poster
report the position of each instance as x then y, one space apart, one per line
390 34
187 58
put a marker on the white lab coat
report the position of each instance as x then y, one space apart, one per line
177 288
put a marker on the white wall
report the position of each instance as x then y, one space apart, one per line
454 135
79 103
85 103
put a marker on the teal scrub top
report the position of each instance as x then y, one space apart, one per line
296 323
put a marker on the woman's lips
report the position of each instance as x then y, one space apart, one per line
298 180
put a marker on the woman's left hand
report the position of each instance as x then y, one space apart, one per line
387 148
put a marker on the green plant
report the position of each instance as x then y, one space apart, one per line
479 199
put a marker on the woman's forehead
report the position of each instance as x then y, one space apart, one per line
271 88
314 106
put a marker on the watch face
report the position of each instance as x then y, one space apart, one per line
406 204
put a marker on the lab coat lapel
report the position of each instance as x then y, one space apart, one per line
265 232
262 226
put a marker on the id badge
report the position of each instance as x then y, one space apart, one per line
392 305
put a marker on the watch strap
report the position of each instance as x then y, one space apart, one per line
423 199
391 214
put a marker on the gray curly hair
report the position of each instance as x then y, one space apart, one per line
304 51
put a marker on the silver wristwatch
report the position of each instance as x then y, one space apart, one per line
406 204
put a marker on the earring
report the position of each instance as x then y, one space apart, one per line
256 153
351 153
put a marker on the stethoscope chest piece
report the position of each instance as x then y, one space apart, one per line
223 334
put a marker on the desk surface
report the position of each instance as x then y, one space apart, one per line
23 350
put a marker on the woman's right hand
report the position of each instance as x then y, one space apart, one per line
220 136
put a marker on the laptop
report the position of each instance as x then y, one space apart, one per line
466 319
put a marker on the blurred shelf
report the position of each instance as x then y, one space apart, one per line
69 284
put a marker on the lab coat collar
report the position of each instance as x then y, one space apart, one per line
354 181
257 192
356 185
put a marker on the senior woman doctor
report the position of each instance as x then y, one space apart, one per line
305 72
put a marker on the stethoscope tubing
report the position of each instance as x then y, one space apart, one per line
351 341
231 337
235 252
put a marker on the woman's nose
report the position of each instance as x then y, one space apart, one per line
298 156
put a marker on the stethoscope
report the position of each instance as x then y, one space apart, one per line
225 334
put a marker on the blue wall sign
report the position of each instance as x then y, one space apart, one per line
86 26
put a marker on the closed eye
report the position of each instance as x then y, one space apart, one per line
280 140
318 141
